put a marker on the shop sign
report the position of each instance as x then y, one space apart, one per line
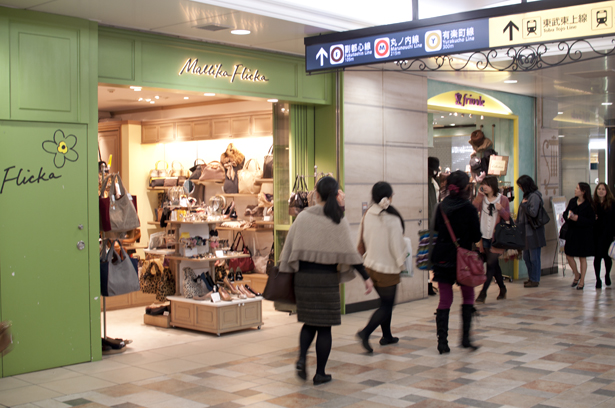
468 101
582 21
218 71
420 42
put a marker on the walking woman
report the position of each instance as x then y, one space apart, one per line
318 244
580 217
464 221
534 238
604 232
492 206
382 239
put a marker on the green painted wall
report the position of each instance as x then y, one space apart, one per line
132 58
324 139
48 288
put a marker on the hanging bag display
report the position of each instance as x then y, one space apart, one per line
246 265
231 182
298 198
212 171
470 271
117 214
118 275
180 172
268 164
247 178
196 169
508 235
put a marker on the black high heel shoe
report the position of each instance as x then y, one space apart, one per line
575 282
253 292
581 287
300 367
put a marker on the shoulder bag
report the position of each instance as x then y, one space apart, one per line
247 178
117 214
196 169
508 235
212 171
268 164
245 265
118 275
280 286
157 175
470 271
298 198
564 230
541 218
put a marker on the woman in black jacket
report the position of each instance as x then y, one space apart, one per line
604 232
464 221
580 217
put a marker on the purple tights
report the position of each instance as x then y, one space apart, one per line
446 295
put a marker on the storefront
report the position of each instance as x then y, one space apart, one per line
53 69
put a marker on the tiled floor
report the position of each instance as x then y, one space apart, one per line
551 346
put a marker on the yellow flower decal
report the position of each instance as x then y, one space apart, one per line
62 147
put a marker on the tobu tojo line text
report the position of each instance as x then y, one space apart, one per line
24 177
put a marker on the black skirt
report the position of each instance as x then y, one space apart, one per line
318 295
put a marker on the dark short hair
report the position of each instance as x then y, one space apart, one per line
492 182
459 179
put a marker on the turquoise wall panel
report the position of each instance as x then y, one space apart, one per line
44 72
116 58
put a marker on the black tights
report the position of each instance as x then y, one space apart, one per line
382 316
608 263
323 345
493 271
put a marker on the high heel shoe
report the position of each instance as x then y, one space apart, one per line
575 282
243 290
249 289
230 287
580 287
224 295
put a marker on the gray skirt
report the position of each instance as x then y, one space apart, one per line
318 297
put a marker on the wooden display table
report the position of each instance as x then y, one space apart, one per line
220 317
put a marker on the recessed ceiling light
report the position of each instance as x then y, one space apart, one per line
272 100
455 113
449 114
152 101
186 97
140 99
482 117
510 81
133 87
452 124
607 103
157 97
209 94
560 113
442 117
147 100
137 89
560 135
240 32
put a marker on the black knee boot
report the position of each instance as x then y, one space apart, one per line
466 314
442 330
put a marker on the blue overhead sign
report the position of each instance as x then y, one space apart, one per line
451 38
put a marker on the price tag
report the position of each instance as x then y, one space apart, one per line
219 254
215 297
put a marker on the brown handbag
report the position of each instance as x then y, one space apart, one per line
212 171
280 286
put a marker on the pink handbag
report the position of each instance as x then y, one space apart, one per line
212 171
470 270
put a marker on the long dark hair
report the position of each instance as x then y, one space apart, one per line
587 193
381 190
457 184
327 189
527 185
608 199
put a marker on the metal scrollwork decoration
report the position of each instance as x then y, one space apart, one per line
513 59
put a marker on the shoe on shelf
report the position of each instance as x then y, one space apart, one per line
481 298
321 379
531 284
364 342
392 340
249 289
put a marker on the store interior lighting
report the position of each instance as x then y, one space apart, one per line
597 144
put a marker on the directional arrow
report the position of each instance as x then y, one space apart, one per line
323 54
510 27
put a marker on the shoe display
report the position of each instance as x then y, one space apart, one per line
321 379
384 341
365 342
253 292
224 295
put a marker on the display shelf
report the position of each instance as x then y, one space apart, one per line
238 195
157 223
181 258
243 229
196 222
260 181
263 222
163 252
208 182
159 188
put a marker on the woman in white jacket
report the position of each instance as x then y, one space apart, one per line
381 241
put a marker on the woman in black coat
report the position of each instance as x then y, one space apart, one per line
604 232
580 217
464 221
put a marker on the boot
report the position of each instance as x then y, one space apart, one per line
466 314
442 330
481 297
502 294
430 290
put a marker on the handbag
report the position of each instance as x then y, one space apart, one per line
426 242
212 171
117 214
166 286
193 285
157 173
171 182
268 164
117 276
6 338
150 277
196 169
260 260
231 182
179 172
541 218
280 286
470 271
298 198
245 265
254 211
564 230
508 235
247 178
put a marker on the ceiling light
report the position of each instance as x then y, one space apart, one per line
152 101
240 32
510 81
607 103
272 100
147 100
455 113
597 144
560 113
157 97
482 117
133 87
140 99
452 124
442 117
137 89
186 97
449 114
560 135
283 109
209 94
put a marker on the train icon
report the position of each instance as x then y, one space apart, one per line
601 17
531 27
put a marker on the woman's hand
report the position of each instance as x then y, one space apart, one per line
524 200
572 216
369 286
498 206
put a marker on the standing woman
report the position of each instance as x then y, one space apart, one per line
464 221
534 238
492 206
385 256
319 244
580 217
604 232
